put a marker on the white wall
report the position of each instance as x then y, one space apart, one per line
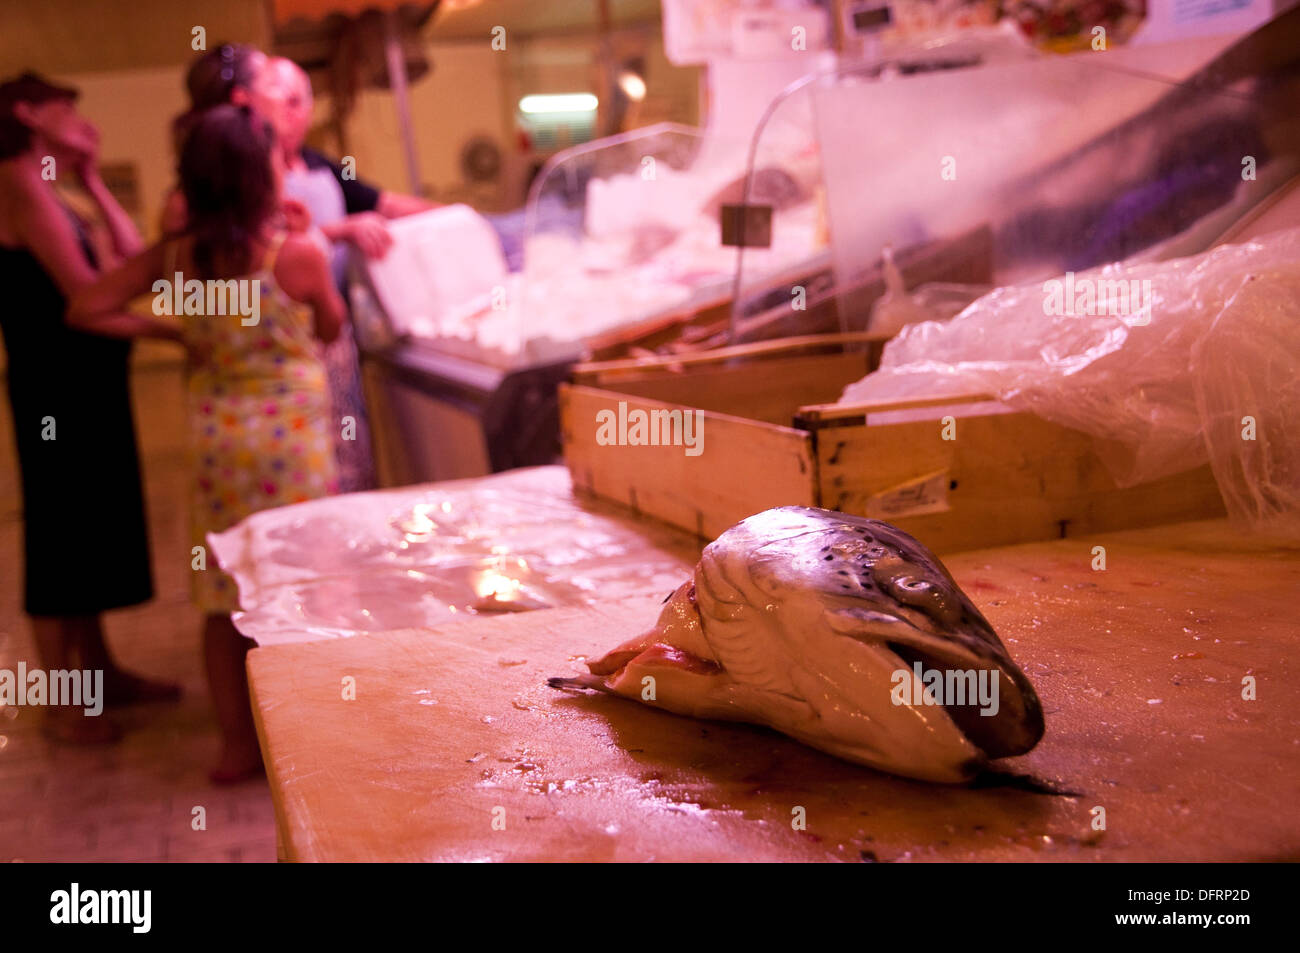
461 96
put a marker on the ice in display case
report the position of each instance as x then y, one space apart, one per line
936 185
614 231
617 231
626 232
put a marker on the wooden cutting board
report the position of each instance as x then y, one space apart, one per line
1139 666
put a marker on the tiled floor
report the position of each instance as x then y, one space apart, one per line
134 800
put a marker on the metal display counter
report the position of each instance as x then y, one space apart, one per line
437 416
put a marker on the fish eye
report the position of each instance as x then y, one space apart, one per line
923 594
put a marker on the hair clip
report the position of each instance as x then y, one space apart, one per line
227 53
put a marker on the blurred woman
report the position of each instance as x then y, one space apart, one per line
223 75
85 541
258 402
226 75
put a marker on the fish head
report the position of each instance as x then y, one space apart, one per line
816 578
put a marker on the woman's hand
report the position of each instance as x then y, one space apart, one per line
297 217
82 145
368 231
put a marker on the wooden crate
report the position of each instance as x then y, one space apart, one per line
772 436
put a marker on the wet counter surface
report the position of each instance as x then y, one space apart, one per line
455 749
422 555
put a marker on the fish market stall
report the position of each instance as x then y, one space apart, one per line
1039 432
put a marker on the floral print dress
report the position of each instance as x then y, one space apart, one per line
261 428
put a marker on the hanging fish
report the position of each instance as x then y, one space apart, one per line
842 632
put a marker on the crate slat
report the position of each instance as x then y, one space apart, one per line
746 465
1007 477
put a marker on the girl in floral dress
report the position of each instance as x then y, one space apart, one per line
259 406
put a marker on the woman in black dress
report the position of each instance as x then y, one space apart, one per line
85 542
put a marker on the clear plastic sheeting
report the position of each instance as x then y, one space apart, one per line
422 555
935 301
1170 365
615 231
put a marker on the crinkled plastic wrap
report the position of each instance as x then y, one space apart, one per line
1201 364
422 555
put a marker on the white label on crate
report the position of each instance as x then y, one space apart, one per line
927 494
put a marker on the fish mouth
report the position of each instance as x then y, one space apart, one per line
1013 727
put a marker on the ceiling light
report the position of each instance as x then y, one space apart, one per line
559 103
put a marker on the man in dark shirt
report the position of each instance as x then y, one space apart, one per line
348 211
364 206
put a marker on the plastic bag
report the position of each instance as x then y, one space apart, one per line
894 309
933 301
1169 365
